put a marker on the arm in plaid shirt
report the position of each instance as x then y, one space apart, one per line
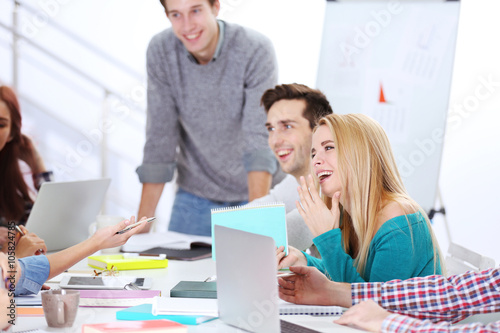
403 324
435 298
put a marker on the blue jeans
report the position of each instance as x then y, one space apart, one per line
191 214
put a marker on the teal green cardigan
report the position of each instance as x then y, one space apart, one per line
395 253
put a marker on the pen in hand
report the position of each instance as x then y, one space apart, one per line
39 251
20 230
149 220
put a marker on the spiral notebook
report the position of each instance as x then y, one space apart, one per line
286 308
263 219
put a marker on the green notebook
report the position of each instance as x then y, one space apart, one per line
263 219
194 289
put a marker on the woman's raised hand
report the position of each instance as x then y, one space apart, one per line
315 213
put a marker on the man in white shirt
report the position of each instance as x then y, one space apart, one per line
292 112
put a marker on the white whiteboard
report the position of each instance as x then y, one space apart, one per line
393 61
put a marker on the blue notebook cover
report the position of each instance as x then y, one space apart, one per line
263 219
144 312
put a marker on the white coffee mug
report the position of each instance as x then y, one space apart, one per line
60 307
103 221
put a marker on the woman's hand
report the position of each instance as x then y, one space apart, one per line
313 210
29 244
366 315
294 257
107 237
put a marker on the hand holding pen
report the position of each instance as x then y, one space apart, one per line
28 244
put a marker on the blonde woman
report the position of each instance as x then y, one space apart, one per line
366 226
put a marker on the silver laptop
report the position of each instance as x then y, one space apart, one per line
247 287
63 211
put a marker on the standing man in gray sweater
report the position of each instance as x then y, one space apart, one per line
205 80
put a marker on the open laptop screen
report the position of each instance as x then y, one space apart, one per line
247 289
63 211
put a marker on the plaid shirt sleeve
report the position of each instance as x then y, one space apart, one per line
436 297
404 324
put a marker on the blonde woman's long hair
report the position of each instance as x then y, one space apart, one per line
369 178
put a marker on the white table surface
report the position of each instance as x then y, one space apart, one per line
164 279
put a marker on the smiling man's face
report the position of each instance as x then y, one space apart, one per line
290 136
194 22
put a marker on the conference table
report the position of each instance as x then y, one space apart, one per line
164 279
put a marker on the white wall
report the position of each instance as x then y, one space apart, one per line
471 157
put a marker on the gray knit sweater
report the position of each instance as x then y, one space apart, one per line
209 112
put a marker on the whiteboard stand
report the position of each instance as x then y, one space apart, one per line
441 210
395 66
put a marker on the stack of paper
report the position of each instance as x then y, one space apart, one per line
28 300
185 306
169 240
116 298
174 245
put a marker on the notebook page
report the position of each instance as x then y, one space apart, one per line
287 308
185 306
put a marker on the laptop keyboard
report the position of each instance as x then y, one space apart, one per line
288 327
